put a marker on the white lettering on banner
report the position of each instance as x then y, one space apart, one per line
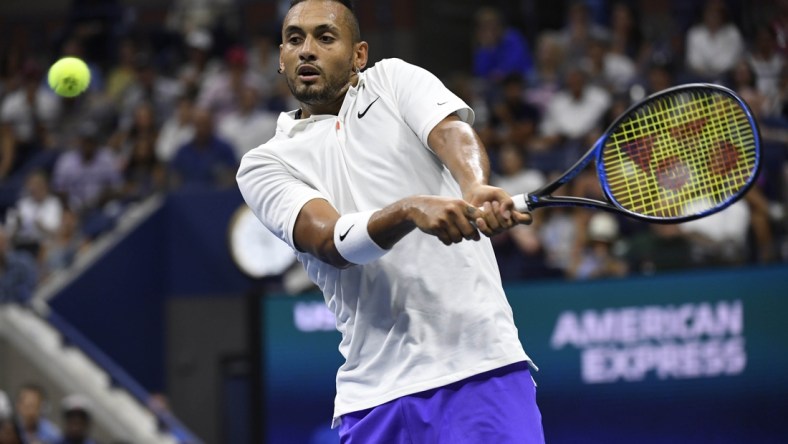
313 316
671 342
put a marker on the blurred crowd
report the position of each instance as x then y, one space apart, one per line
27 419
542 103
177 105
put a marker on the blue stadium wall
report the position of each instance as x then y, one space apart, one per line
179 252
689 357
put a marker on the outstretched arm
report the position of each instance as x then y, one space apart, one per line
447 219
460 149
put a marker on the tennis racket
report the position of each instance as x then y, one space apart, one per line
677 155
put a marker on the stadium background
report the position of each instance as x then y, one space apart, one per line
139 277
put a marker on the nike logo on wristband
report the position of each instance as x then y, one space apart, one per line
362 114
343 236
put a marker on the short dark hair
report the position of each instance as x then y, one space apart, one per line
32 387
355 29
348 3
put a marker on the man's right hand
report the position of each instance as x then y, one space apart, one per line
448 219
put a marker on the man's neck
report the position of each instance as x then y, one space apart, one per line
332 107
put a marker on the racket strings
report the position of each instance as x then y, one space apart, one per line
681 154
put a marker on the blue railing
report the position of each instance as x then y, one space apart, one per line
120 378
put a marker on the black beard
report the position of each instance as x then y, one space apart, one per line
313 95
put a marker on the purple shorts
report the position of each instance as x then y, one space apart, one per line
498 406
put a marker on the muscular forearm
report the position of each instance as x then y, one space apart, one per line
390 224
7 152
460 149
446 218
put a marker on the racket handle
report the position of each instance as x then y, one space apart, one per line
520 204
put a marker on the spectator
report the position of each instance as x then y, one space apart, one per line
249 126
36 216
549 72
60 251
37 429
663 40
121 76
148 87
658 78
264 59
625 35
206 160
177 130
513 119
661 247
200 66
518 251
9 431
571 116
514 177
143 128
222 95
714 45
596 259
558 234
779 24
766 61
87 176
89 181
143 175
721 239
77 420
742 80
18 275
610 70
27 116
500 51
579 30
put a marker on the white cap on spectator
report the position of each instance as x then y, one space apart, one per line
5 405
602 227
199 39
76 402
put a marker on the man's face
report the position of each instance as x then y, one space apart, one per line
317 52
76 426
7 433
28 406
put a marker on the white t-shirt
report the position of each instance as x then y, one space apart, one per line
712 54
729 225
246 131
37 219
575 117
16 111
425 314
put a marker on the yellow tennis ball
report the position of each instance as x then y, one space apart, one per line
69 77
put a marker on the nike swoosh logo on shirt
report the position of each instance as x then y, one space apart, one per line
343 236
362 114
443 103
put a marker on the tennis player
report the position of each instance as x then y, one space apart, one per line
379 184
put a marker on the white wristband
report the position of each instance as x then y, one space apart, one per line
352 240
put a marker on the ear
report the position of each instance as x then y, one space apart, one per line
281 63
361 55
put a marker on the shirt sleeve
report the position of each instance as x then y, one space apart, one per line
423 100
273 193
6 110
51 214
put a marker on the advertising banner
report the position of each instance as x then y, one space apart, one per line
691 357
